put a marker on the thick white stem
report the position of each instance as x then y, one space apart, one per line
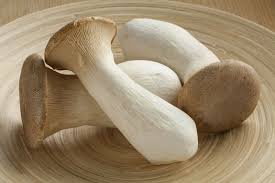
166 43
161 132
70 105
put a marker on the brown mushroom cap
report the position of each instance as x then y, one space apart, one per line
32 99
220 96
65 49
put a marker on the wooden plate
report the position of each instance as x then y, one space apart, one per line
87 154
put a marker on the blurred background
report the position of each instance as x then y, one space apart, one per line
259 11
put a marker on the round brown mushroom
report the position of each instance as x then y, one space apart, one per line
220 96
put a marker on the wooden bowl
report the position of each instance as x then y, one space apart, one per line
87 154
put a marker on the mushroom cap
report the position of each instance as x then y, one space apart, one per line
81 38
32 94
220 96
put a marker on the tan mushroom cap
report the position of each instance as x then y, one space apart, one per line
32 99
65 49
220 96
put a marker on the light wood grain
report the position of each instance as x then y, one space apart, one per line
259 11
243 155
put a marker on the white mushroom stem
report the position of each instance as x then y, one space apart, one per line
166 43
73 102
67 102
146 120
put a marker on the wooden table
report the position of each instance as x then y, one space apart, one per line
259 11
